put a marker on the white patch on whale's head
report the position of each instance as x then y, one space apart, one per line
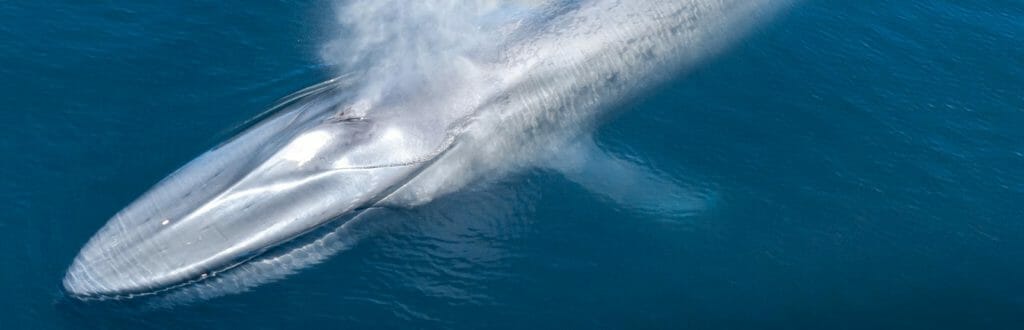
305 147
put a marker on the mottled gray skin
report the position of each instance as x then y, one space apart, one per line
327 153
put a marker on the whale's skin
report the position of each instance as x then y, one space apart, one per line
328 153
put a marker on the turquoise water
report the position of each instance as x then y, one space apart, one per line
866 161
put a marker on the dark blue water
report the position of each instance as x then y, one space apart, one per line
866 158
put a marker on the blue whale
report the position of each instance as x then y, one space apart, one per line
248 209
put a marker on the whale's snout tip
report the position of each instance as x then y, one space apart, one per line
74 284
80 283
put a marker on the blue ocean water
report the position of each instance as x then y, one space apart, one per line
865 157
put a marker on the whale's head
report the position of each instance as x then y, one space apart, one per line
315 160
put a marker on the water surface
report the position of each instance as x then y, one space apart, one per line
866 162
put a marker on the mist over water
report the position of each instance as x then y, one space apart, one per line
419 47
